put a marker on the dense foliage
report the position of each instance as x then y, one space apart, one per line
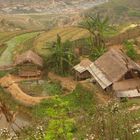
130 50
63 58
97 26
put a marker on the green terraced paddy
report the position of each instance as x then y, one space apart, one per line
66 33
6 57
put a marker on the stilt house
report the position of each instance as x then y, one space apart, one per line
29 64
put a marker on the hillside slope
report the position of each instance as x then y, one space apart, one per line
119 11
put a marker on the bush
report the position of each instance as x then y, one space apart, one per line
81 98
60 125
97 52
130 50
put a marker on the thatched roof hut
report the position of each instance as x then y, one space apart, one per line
111 67
29 64
29 56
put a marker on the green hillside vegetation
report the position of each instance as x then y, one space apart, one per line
119 11
43 42
83 113
4 36
6 57
22 22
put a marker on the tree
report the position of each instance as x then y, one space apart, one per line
62 58
97 26
130 50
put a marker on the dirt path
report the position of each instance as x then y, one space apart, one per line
18 79
66 82
12 87
69 84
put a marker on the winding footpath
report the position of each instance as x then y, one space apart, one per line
10 85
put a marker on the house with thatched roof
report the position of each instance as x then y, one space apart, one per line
80 70
113 70
112 67
29 64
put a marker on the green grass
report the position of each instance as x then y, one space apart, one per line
4 36
134 13
2 49
25 46
119 11
5 96
45 88
81 98
130 103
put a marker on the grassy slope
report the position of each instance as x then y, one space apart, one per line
119 11
4 36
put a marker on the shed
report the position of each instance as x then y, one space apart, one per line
80 70
113 66
29 64
138 41
127 88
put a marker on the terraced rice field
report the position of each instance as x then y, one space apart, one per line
4 36
6 57
68 33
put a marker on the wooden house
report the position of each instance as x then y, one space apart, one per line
29 64
80 70
138 41
127 88
116 71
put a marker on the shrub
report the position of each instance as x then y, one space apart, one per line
130 50
97 52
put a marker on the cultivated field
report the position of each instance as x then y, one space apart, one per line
6 57
42 43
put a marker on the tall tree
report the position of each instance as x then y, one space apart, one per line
62 58
97 26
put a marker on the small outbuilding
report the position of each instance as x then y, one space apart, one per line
80 70
138 41
29 64
127 88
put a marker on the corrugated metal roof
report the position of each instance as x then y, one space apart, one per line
79 68
99 76
82 66
129 84
128 93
